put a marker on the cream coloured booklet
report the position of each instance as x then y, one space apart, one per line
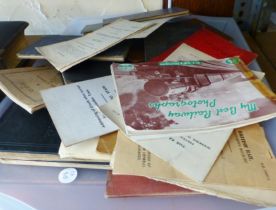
66 54
245 171
23 85
183 152
86 150
74 109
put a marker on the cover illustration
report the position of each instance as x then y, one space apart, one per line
191 95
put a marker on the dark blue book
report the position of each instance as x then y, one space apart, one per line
10 34
27 133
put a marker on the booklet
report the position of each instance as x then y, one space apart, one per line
115 53
84 151
183 152
190 96
66 54
74 109
23 85
245 171
137 186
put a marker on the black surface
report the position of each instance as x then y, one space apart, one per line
9 30
171 33
24 132
86 70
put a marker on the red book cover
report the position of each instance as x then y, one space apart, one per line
130 186
212 44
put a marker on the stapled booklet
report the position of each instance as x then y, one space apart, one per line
190 96
74 109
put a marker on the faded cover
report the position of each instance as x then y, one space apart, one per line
213 44
22 85
22 132
172 96
181 151
127 186
171 33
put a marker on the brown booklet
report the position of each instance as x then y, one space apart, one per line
130 186
23 85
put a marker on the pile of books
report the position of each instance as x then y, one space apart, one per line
168 104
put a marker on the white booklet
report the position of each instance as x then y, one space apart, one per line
74 109
183 152
66 54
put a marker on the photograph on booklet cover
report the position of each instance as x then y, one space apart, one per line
173 95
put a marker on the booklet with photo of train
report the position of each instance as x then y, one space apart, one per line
190 96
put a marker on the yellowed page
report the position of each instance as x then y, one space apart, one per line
23 85
84 150
187 53
66 54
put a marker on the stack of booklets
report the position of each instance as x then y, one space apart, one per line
183 121
33 139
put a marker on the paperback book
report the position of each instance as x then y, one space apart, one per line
190 96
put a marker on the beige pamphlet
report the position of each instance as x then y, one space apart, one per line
181 151
66 54
246 170
23 85
187 53
84 150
